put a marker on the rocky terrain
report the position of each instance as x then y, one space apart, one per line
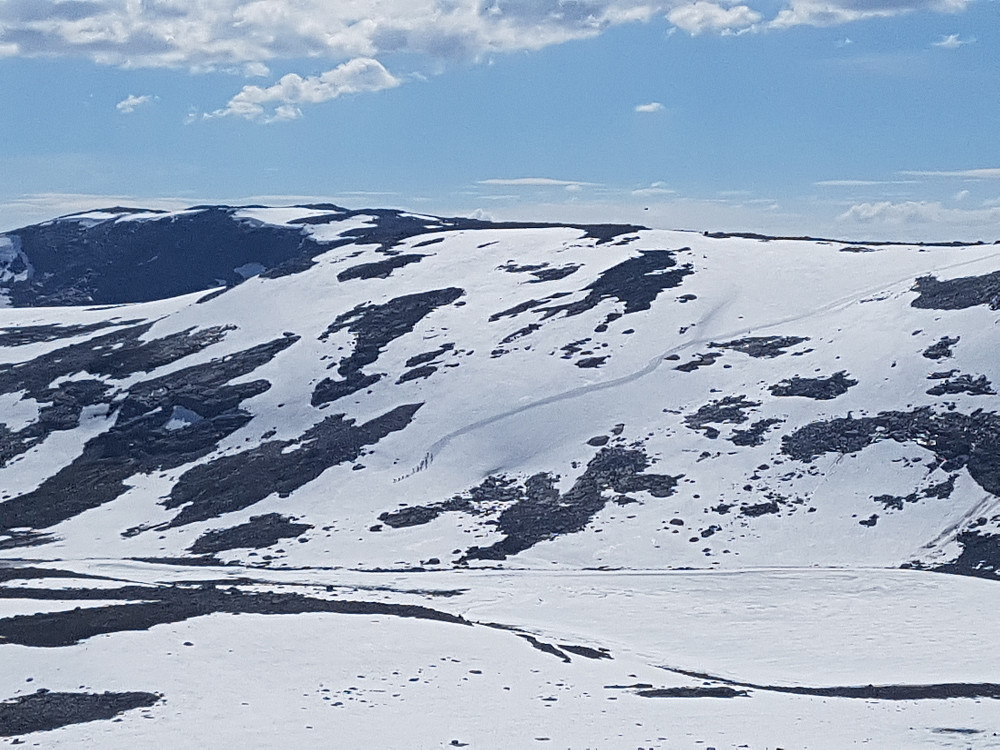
430 482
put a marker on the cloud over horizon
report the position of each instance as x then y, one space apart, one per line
905 213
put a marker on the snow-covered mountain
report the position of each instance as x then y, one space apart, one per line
616 469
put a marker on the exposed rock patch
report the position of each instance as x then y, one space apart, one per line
754 434
980 556
44 710
979 386
761 346
379 269
728 410
957 440
542 271
541 513
699 360
820 389
941 349
257 533
535 511
958 294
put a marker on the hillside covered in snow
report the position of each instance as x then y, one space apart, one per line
310 472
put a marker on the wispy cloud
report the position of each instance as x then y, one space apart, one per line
657 189
952 41
650 107
989 173
861 183
837 12
130 104
570 185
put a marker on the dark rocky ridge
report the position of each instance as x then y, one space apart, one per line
374 326
113 355
175 603
636 283
22 335
932 691
235 482
140 441
77 262
391 227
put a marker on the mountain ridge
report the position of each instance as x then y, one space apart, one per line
503 436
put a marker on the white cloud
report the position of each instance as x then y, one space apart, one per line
651 107
213 34
132 103
919 212
836 12
230 34
282 100
701 16
961 195
952 41
990 173
248 36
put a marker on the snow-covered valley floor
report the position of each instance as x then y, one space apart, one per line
564 659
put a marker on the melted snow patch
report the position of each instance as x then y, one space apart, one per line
16 411
181 418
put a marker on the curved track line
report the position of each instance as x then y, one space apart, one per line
653 364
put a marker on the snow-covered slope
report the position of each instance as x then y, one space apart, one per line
577 457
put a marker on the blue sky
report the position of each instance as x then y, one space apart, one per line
848 118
